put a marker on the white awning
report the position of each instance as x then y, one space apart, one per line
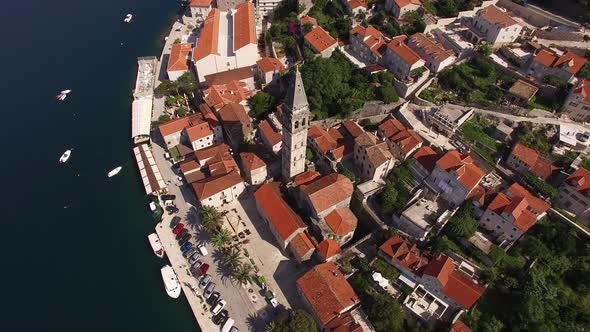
407 281
141 117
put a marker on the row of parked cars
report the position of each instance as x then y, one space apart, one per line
194 255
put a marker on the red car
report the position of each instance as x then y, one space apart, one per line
178 228
205 268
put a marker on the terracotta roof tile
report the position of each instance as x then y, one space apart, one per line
327 291
427 157
269 133
353 4
329 248
353 128
539 205
283 219
209 152
301 245
531 158
225 77
222 164
569 61
268 65
244 26
217 96
545 58
341 221
580 179
399 47
319 39
583 89
251 161
366 139
430 47
199 131
322 138
179 57
173 126
497 16
391 127
403 3
408 257
189 166
308 19
372 38
328 191
468 174
209 37
378 154
215 184
407 140
459 326
200 3
306 177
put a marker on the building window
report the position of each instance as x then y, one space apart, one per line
296 124
514 229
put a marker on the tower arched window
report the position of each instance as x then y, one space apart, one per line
296 124
303 122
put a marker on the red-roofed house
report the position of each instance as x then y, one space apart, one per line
523 159
328 250
269 70
438 276
459 326
244 74
254 168
574 194
301 247
200 8
217 96
400 59
436 56
355 7
547 63
326 194
178 62
373 157
577 104
283 222
194 129
423 163
327 293
237 124
400 7
339 225
203 156
402 142
455 176
272 139
509 215
320 140
306 177
218 190
320 41
308 20
212 54
496 25
368 44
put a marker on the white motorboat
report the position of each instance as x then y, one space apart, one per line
65 156
128 18
156 245
170 282
65 92
114 171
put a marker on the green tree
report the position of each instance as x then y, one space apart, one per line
211 218
486 49
293 321
387 94
166 88
181 111
242 274
348 173
585 70
163 118
177 41
385 313
260 104
309 155
232 258
462 224
221 239
393 198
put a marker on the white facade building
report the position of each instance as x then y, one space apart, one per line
497 26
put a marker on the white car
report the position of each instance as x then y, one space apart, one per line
218 307
203 250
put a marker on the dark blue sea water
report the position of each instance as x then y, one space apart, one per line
76 257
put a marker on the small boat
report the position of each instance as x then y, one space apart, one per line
156 245
65 156
170 282
114 171
128 18
65 92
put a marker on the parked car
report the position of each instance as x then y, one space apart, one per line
178 228
171 209
197 263
190 252
205 281
195 271
221 317
214 298
184 239
204 268
194 258
203 250
186 246
218 307
174 222
229 324
181 233
209 290
168 197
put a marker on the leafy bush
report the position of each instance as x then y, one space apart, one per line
393 198
387 94
541 186
163 118
387 271
462 224
260 104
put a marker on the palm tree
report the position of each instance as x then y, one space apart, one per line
221 239
271 326
232 258
242 274
211 218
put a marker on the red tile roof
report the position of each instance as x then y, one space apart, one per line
327 291
403 3
342 150
209 37
200 3
319 39
537 165
539 205
222 164
215 184
497 16
329 248
199 131
189 166
399 47
462 289
399 251
353 128
391 127
407 140
583 89
328 191
545 58
372 38
225 77
322 138
308 19
210 152
251 161
459 326
518 205
430 47
179 57
341 221
283 219
344 323
568 61
218 96
268 65
427 157
244 26
366 139
306 177
301 245
467 173
234 113
173 126
272 136
353 4
580 179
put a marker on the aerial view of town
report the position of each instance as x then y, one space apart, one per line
370 165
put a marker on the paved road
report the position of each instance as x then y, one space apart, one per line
543 120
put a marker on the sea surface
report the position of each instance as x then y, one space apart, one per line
75 252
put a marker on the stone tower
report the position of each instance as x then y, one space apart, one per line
295 120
